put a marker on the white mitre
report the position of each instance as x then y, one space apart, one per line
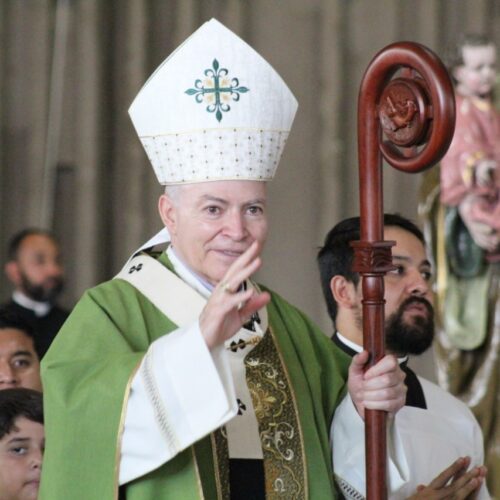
213 110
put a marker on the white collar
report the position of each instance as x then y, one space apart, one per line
349 343
358 348
39 308
162 237
190 277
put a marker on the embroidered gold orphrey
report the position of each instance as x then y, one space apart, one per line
279 428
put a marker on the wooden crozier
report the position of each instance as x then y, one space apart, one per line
406 114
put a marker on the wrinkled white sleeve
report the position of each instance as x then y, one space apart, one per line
347 439
181 392
478 458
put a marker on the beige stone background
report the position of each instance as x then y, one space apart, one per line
69 158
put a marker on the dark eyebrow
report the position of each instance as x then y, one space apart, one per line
408 259
23 353
19 440
401 257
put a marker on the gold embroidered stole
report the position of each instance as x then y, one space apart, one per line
279 430
280 434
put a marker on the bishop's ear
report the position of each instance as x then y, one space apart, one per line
168 213
343 292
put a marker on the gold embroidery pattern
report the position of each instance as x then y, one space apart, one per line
221 463
278 422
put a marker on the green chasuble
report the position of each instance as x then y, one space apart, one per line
87 374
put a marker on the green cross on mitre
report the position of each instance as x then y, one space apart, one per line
200 91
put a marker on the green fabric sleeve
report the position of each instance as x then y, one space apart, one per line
85 376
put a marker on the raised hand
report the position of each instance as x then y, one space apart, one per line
228 308
381 387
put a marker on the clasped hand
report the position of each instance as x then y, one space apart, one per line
381 387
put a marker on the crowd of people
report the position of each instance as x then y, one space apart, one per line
29 322
184 378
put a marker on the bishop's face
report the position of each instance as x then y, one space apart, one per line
476 76
212 223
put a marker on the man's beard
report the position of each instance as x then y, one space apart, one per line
44 292
410 337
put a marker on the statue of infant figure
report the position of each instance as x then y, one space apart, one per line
462 222
470 171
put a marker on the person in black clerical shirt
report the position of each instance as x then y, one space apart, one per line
35 270
436 429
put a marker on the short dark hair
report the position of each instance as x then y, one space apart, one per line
455 56
336 255
19 402
16 240
9 319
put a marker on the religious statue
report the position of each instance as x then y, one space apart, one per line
470 171
462 219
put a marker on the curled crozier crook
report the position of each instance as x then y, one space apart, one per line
423 105
406 114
